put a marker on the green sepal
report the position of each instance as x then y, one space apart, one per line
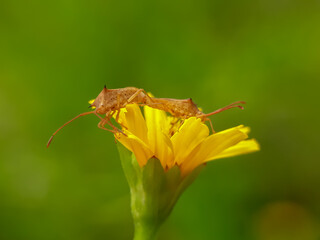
154 191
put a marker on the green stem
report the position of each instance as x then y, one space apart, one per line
144 231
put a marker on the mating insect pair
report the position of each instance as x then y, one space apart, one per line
110 101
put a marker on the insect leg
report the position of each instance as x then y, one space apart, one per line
98 116
118 112
134 95
106 120
118 115
104 128
147 95
118 107
181 123
115 129
141 104
208 119
117 120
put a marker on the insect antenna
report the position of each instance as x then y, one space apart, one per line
232 105
80 115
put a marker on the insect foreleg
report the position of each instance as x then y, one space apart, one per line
104 128
106 120
208 119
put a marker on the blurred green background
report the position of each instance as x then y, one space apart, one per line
56 55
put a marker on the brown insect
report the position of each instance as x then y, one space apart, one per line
186 108
108 102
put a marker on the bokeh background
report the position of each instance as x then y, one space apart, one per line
56 55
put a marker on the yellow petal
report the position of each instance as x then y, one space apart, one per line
141 151
212 146
245 130
172 125
221 141
242 147
240 127
136 123
122 117
190 135
159 142
166 154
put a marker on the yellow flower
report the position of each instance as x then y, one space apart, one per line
186 144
